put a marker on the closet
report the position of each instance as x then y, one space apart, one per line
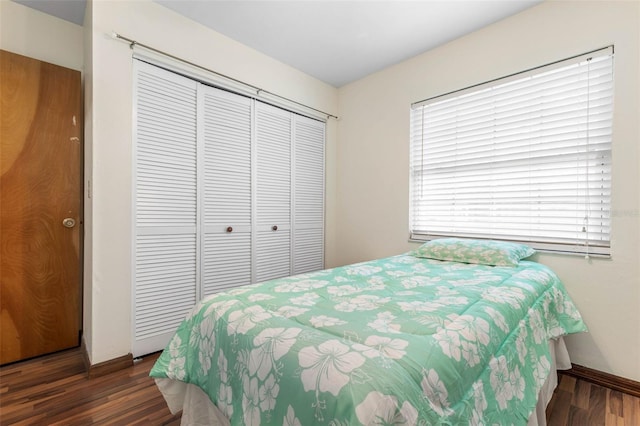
228 191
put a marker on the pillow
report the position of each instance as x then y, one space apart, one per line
483 252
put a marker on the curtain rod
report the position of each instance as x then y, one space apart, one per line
133 43
602 49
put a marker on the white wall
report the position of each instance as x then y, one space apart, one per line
108 314
373 157
87 296
31 33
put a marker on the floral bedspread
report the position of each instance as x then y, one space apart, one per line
400 340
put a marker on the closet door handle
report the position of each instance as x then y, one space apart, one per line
229 229
274 228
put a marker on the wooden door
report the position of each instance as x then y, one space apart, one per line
40 184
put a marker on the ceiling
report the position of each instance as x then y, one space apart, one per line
335 41
69 10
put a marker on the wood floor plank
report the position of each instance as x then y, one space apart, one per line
597 405
582 394
614 403
567 384
559 415
631 410
613 420
577 416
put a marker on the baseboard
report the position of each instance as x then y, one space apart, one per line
85 355
607 380
106 367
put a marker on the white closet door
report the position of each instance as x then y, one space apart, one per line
308 205
273 193
165 217
226 198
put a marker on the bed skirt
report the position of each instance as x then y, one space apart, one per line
198 410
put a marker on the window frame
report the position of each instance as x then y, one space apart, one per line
578 246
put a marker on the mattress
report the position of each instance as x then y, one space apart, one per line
198 410
401 339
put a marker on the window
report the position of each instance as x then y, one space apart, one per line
524 158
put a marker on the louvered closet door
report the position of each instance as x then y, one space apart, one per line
308 207
165 243
226 206
273 193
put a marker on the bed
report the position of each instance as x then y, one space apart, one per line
416 339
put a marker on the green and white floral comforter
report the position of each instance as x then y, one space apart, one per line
400 340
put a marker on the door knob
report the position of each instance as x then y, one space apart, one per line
69 222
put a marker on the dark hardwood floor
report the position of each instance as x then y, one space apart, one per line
578 402
54 390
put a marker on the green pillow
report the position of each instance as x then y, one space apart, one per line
483 252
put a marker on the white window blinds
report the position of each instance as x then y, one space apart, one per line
525 158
